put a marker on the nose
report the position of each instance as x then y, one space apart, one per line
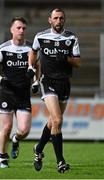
58 19
22 30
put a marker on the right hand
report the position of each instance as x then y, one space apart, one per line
4 81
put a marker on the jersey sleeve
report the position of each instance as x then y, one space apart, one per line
1 56
36 45
76 49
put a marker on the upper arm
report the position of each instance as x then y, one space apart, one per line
32 59
76 53
1 56
36 44
76 49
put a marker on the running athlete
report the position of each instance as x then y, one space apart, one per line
59 53
15 81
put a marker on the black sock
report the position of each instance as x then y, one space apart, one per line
44 139
5 155
57 144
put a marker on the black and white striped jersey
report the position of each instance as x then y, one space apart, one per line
14 60
54 50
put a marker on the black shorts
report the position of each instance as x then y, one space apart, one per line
57 87
11 101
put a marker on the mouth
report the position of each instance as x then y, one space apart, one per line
58 26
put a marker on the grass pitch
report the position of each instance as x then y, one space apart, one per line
86 160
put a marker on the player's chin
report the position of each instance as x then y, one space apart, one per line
20 37
58 29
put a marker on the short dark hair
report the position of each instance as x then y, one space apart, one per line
19 18
57 10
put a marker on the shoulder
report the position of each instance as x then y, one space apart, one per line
42 33
5 44
69 33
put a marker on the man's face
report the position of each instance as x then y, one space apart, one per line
18 30
57 21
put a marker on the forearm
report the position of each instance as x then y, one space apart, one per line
31 71
74 61
32 58
38 71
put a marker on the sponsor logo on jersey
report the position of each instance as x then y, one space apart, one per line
55 51
9 54
17 63
46 41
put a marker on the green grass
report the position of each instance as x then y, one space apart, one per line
86 160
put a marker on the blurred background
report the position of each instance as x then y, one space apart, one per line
86 19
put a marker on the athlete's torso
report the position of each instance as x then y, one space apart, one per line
14 60
54 50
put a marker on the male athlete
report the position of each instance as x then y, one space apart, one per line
15 81
59 53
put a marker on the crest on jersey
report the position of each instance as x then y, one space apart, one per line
4 104
67 42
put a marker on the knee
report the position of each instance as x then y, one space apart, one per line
49 124
6 130
57 121
23 133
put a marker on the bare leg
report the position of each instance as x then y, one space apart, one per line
6 121
23 129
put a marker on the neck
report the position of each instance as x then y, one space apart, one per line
18 42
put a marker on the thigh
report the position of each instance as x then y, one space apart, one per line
53 106
63 106
6 120
23 119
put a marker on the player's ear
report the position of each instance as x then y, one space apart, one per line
11 29
49 20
